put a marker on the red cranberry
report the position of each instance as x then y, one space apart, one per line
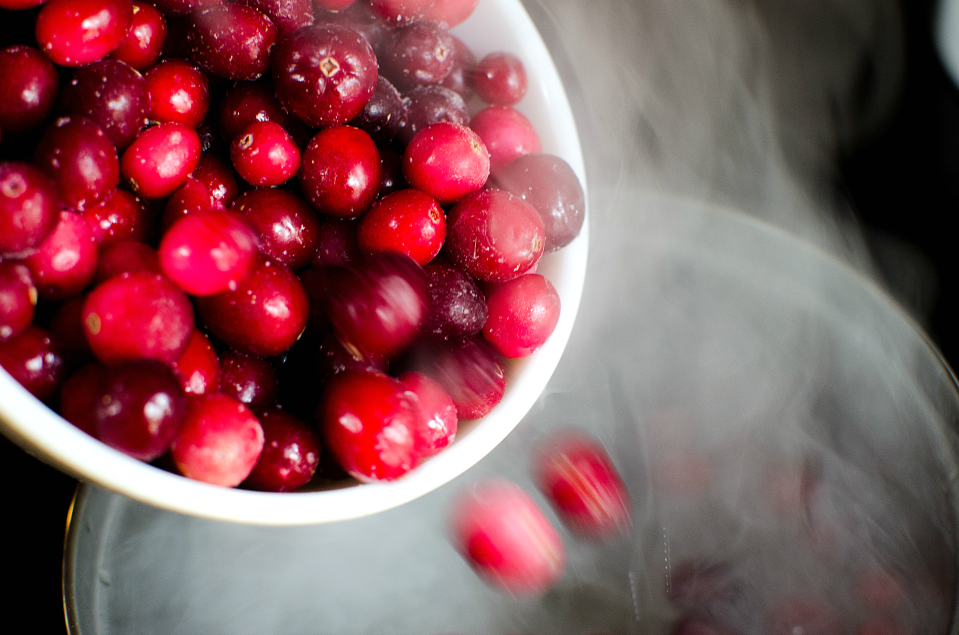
65 262
160 159
264 316
265 155
469 373
324 74
447 161
112 95
80 395
191 199
418 54
383 115
450 12
340 174
218 178
138 316
248 379
126 256
82 160
460 78
500 79
439 409
232 41
287 15
79 32
503 535
507 133
287 226
457 306
401 11
144 40
119 216
408 222
245 104
523 312
29 208
220 441
29 88
198 368
18 297
427 105
178 93
33 358
337 244
291 454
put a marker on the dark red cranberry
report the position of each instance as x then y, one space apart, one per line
383 115
245 104
138 316
460 78
265 155
119 216
126 256
408 222
287 15
33 358
112 95
457 306
523 312
336 243
249 379
29 88
418 54
450 13
82 160
65 262
507 133
427 105
191 199
184 7
218 178
80 32
18 298
358 16
264 316
232 41
439 409
340 174
220 442
291 454
142 44
80 395
335 358
66 327
198 368
332 5
287 226
29 208
447 161
178 92
401 11
324 74
500 79
19 5
160 159
469 373
391 175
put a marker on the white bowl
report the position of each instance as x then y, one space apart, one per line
496 25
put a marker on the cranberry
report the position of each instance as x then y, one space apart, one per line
287 227
191 199
18 297
373 424
460 78
220 441
232 41
450 12
141 46
340 174
337 244
265 155
29 208
522 314
324 74
287 15
494 235
418 54
29 88
82 160
80 395
138 316
248 379
576 475
264 316
178 93
160 159
245 104
457 306
360 17
427 105
79 32
507 133
33 358
119 216
439 409
291 454
469 373
401 11
500 79
198 368
218 178
409 222
505 538
384 114
126 256
208 253
447 161
65 262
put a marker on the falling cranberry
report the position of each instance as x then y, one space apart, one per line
291 454
469 373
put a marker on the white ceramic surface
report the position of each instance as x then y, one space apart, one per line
947 36
495 25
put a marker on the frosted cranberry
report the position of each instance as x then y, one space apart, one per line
335 358
287 15
191 199
383 115
208 253
141 46
340 174
119 216
401 11
494 236
264 316
265 155
378 304
336 243
460 78
523 312
324 74
373 424
408 222
159 161
126 256
447 161
450 12
291 454
218 178
112 95
500 79
439 409
505 538
184 7
137 316
29 88
427 105
66 328
220 442
806 615
65 262
78 155
548 183
457 306
232 41
18 297
80 395
249 379
29 208
198 368
507 133
178 92
33 358
469 373
287 226
418 54
79 32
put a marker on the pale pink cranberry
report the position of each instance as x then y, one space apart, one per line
288 228
287 15
33 358
523 312
208 253
29 88
447 161
29 208
500 79
18 298
450 12
507 133
401 11
505 538
159 161
141 46
82 160
220 441
249 379
118 216
218 178
470 373
198 368
265 155
191 199
138 316
178 93
291 454
126 256
438 408
79 396
65 262
409 222
112 95
417 54
340 173
460 78
232 41
80 32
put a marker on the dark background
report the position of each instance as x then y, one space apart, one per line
904 186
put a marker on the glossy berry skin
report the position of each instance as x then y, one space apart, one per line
340 173
79 156
29 208
137 316
500 79
291 454
141 46
119 216
34 359
220 442
450 12
507 133
29 88
140 409
384 114
18 298
287 227
470 374
440 411
408 222
80 32
232 41
457 306
208 253
287 15
65 262
460 78
324 74
418 54
198 368
373 425
112 95
159 161
245 104
265 155
426 105
190 199
577 477
248 379
523 312
218 178
447 161
505 538
494 236
178 93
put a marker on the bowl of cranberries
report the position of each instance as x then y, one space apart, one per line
280 261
